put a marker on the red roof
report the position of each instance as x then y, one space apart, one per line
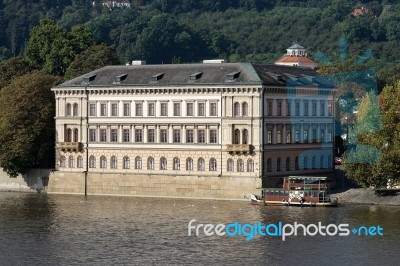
295 59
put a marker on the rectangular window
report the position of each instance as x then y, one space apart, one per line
279 108
92 135
189 109
330 108
269 108
103 135
322 108
114 109
92 109
213 136
177 136
163 136
114 135
150 135
269 136
305 133
322 135
126 137
297 136
314 135
306 108
151 109
213 109
279 137
139 109
297 109
103 109
201 110
201 134
138 135
314 109
288 136
189 136
177 109
287 108
330 135
127 109
164 109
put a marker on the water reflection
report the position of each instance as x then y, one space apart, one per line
64 230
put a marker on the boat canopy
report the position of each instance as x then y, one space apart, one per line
314 178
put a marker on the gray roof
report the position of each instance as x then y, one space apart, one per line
296 46
195 74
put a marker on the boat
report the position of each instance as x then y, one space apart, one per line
300 191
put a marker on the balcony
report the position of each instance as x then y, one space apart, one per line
70 146
239 149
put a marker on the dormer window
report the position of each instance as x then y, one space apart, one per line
196 76
157 77
88 79
234 75
120 78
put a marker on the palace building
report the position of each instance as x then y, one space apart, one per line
207 130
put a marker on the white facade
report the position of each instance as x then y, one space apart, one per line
216 120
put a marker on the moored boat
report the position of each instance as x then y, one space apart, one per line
300 191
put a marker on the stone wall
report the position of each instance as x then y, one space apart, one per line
154 185
35 179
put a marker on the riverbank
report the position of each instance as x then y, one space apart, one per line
365 196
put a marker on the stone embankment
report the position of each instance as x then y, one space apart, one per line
365 196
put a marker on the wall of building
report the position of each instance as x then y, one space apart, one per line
29 182
208 187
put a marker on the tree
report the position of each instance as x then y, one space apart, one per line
13 68
27 131
92 58
53 48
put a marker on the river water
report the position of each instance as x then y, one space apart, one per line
50 229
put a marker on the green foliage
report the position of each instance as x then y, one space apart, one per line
27 123
92 58
375 161
13 68
53 48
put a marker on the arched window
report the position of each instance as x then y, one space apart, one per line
213 164
126 163
278 165
138 162
236 136
68 137
75 109
163 163
189 164
62 161
250 165
201 164
236 109
113 162
321 162
296 163
269 165
71 162
245 137
287 164
177 164
245 108
68 109
103 162
230 165
305 162
150 163
313 162
75 135
240 165
80 162
92 162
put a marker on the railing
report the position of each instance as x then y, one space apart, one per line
239 148
70 146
